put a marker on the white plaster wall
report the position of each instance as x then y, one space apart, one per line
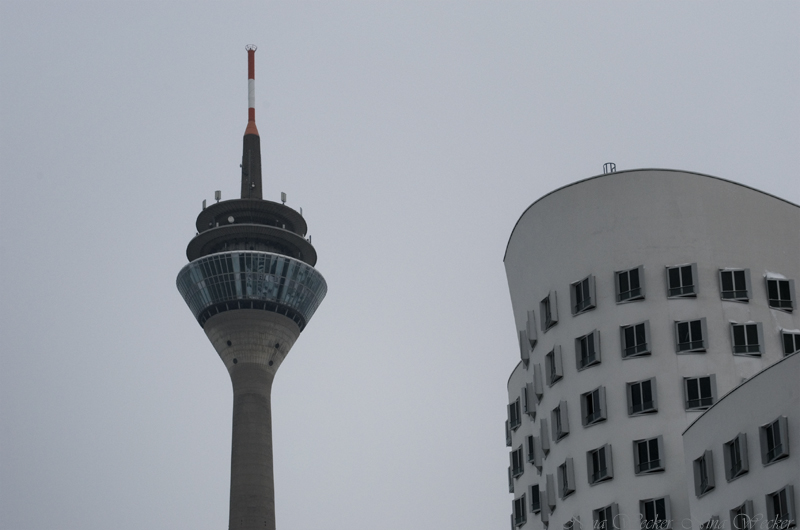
655 218
769 394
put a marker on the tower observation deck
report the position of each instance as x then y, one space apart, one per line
252 286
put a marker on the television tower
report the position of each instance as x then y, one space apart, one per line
252 286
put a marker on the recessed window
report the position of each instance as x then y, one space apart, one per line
647 455
703 474
606 518
700 392
514 417
520 515
681 281
791 341
734 284
655 514
598 462
528 399
553 365
735 455
742 516
587 350
781 512
517 464
536 499
774 440
781 294
690 336
560 421
642 397
747 339
566 479
548 311
635 340
530 443
630 284
582 295
593 406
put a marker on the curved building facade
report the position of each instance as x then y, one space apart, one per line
639 297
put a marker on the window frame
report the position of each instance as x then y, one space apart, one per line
554 366
633 297
788 516
517 462
582 295
780 303
647 350
560 420
703 474
744 510
734 453
514 414
519 513
653 395
598 405
593 474
592 338
735 295
528 398
657 464
548 311
566 478
781 450
795 339
703 401
610 516
692 346
682 290
536 498
747 349
645 523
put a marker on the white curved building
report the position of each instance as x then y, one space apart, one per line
639 297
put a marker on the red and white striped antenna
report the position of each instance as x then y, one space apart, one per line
251 89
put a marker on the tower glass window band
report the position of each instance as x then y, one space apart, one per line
747 339
681 280
690 336
734 284
655 514
630 284
780 293
642 397
647 455
635 340
699 392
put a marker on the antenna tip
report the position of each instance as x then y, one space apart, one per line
251 47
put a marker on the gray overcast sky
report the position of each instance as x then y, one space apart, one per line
413 135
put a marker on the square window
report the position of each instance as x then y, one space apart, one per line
553 365
587 350
536 499
642 397
560 421
734 284
780 294
548 311
700 392
681 281
735 455
780 508
635 340
593 406
690 336
606 518
742 516
703 474
520 514
514 417
598 462
647 455
566 479
655 514
791 341
517 464
582 295
774 440
747 339
630 284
